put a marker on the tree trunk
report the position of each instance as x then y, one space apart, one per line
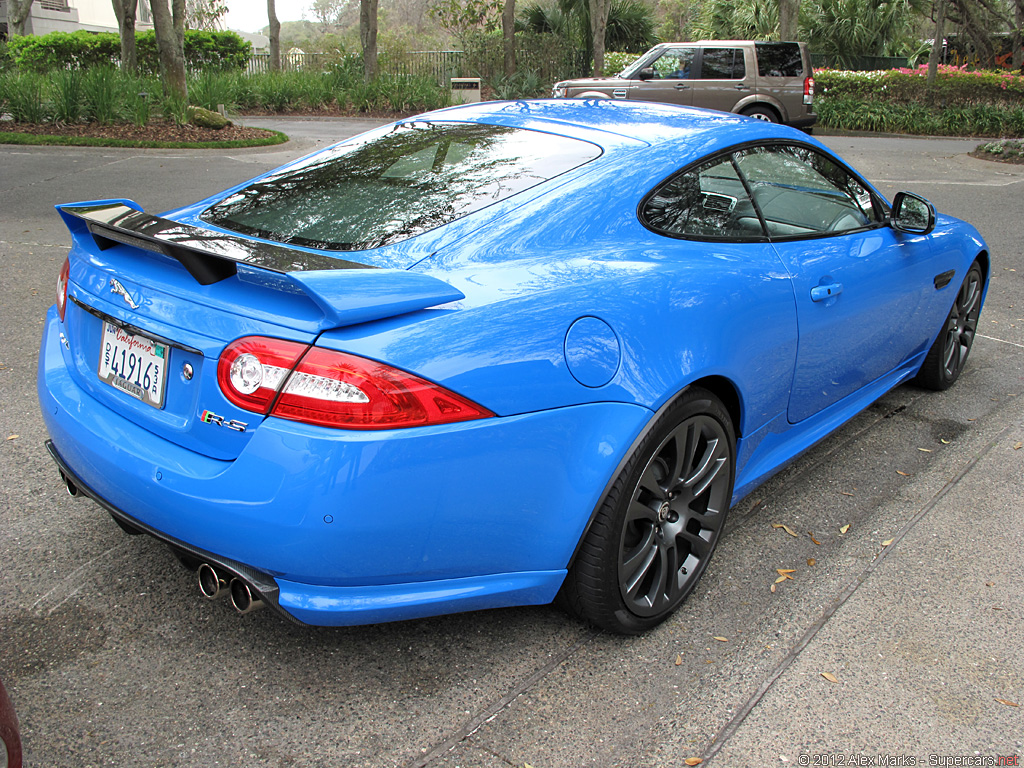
275 36
17 13
508 36
368 37
125 11
789 15
1018 35
170 45
936 53
598 27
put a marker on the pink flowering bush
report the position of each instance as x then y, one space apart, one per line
955 86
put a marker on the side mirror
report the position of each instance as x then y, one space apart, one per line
647 73
912 213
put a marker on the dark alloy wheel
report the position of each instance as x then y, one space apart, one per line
653 537
948 355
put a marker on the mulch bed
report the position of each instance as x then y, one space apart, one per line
155 131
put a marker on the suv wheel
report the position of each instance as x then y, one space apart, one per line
767 114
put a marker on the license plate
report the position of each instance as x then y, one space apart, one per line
133 364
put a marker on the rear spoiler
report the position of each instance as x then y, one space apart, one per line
347 292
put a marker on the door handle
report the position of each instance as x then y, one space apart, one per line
742 87
822 292
681 86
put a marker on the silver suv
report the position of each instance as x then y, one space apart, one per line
769 81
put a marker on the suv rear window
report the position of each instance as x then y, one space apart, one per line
398 184
779 60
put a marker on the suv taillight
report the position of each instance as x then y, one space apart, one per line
808 90
62 289
320 386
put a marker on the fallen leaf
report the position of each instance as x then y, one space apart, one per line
773 588
1016 446
830 677
782 579
679 659
784 571
811 561
845 528
813 539
972 419
14 437
786 528
692 761
925 450
722 639
902 473
990 583
1008 703
887 542
845 493
944 441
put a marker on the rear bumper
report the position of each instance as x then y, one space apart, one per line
804 121
354 528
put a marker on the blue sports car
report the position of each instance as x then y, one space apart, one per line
491 355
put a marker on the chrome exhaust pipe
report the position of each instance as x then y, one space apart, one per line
245 598
211 583
70 485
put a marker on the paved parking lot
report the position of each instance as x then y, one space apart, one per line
113 658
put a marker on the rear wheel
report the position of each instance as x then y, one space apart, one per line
767 114
655 532
948 355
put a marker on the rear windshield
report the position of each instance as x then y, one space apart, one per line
393 186
779 60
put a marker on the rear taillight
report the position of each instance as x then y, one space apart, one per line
252 370
808 90
334 389
62 289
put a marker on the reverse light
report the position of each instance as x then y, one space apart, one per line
808 90
252 369
320 386
62 289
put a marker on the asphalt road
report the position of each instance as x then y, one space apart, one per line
113 658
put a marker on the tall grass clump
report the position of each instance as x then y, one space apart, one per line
25 93
102 94
211 88
66 93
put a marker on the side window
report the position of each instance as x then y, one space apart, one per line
706 202
722 64
800 192
779 60
674 64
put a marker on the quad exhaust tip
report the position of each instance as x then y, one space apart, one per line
70 485
245 598
211 583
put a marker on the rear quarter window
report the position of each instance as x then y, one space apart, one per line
779 60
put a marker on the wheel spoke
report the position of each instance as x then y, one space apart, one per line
636 564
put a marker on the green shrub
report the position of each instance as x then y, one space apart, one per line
524 84
60 50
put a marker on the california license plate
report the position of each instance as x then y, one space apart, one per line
134 364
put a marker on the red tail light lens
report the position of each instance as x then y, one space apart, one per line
62 289
333 389
808 90
252 370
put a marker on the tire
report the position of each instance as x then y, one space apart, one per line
948 355
657 528
766 114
